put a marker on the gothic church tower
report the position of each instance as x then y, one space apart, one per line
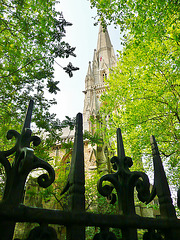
104 59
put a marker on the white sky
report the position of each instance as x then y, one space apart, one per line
82 35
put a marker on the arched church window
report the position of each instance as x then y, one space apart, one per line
104 76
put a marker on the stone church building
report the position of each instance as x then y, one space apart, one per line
103 60
98 70
97 156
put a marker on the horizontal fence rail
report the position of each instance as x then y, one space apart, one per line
30 214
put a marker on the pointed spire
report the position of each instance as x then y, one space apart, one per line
89 77
105 50
89 72
103 39
103 59
95 56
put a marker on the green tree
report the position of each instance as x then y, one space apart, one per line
144 19
31 37
143 93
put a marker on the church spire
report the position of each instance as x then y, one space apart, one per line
103 39
104 46
103 60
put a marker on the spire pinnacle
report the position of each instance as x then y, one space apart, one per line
89 72
103 39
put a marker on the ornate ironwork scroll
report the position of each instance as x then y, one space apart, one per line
124 181
16 173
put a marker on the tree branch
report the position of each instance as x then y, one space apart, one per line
167 155
33 60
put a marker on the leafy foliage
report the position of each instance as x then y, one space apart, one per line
143 91
144 19
31 37
93 138
68 122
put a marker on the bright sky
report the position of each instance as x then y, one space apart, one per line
82 35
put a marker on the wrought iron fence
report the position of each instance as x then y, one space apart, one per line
76 219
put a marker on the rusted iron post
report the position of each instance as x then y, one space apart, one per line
76 182
126 199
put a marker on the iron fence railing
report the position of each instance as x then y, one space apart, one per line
76 219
